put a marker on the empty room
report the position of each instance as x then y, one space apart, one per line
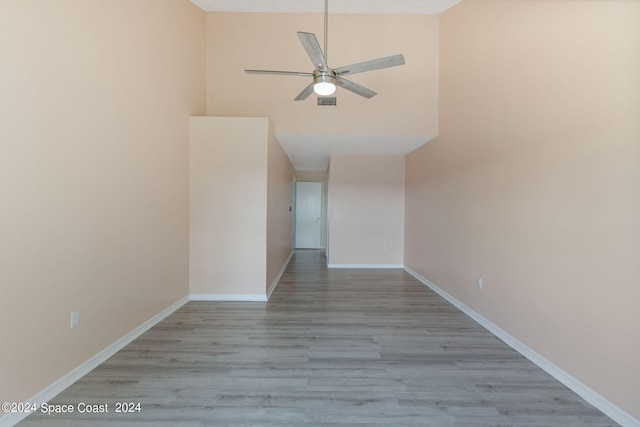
342 212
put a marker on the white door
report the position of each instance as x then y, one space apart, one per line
308 214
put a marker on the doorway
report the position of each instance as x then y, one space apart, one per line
308 223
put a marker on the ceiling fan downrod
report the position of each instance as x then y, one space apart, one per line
326 30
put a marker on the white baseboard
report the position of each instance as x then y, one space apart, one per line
612 411
244 297
275 282
229 297
71 377
390 266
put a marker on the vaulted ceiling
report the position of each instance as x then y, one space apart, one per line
400 118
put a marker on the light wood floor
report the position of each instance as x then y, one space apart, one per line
332 347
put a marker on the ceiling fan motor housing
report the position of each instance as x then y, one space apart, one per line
324 76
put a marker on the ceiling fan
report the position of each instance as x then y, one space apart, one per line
325 78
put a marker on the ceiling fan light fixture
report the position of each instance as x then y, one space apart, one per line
324 85
324 88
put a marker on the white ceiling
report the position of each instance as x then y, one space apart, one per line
312 152
428 7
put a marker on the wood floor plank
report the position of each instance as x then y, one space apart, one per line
331 347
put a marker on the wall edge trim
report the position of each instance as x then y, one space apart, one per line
276 281
229 297
592 397
62 383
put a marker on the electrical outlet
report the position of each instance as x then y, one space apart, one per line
75 318
480 283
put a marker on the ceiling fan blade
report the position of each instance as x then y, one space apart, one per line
355 88
279 73
305 93
311 45
373 64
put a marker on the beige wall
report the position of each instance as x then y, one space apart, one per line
241 190
228 205
366 210
280 178
239 41
533 182
95 100
321 177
